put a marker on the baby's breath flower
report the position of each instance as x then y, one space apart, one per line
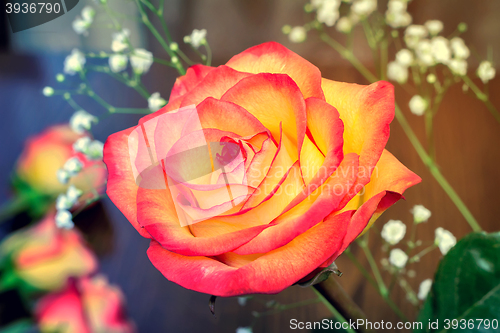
64 219
156 102
73 193
396 15
328 12
431 78
404 57
118 62
364 7
48 91
418 105
244 330
397 72
444 239
458 66
460 50
344 25
424 53
119 42
74 62
63 202
393 231
81 26
81 145
81 121
88 13
434 27
420 214
424 288
398 258
486 71
413 34
73 166
297 34
63 176
197 38
441 49
141 60
95 150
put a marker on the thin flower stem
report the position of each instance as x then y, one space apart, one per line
482 97
409 133
373 265
419 255
209 54
334 311
367 275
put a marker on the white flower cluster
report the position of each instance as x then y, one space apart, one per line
140 59
444 239
396 15
393 231
398 70
418 105
81 24
486 71
81 121
156 102
64 203
92 149
74 62
197 38
327 12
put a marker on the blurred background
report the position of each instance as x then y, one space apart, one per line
467 141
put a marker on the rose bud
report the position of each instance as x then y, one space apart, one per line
86 305
257 173
42 257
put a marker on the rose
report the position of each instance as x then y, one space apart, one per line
43 257
84 306
44 154
257 173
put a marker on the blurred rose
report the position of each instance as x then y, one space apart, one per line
256 173
47 152
44 256
88 305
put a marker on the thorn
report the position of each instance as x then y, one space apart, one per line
211 304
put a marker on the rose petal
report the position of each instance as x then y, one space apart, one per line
194 75
269 274
272 57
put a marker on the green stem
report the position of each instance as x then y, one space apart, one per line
367 275
373 265
419 255
334 311
482 97
13 207
209 54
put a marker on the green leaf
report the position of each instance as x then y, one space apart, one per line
466 288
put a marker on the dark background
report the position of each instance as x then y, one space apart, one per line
467 140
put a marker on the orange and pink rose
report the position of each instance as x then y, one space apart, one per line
86 305
256 173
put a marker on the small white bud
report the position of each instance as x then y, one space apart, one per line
404 57
81 121
120 40
460 50
73 193
397 72
174 46
393 231
424 288
458 66
74 62
95 150
81 145
420 214
344 25
434 27
197 38
418 105
64 219
63 176
297 34
398 258
117 62
486 71
73 166
444 239
63 202
48 91
141 60
431 78
156 102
